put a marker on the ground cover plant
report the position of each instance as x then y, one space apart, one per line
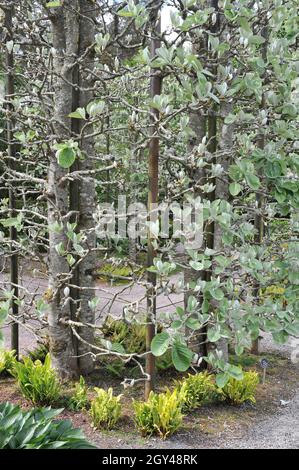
7 362
105 408
240 391
197 390
161 414
38 382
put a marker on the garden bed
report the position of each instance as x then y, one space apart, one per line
214 425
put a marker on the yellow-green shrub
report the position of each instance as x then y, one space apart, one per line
105 408
237 392
7 362
161 414
38 382
195 390
79 399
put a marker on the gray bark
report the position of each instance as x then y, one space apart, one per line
87 190
198 125
222 193
61 343
73 33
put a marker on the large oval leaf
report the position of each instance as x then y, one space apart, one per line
222 379
235 372
252 181
66 157
292 329
160 343
235 188
181 356
217 293
213 335
280 337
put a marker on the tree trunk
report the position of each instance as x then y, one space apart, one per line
259 221
61 344
153 175
222 193
11 151
86 188
73 33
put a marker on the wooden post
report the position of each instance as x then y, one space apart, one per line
11 151
258 220
153 189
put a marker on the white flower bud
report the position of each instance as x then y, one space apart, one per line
66 292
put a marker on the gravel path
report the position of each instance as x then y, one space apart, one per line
278 432
281 430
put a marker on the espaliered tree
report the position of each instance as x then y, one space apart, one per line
223 128
232 81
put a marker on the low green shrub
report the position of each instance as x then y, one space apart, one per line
105 409
38 382
197 390
116 367
118 273
130 336
7 362
39 353
164 362
237 392
161 414
36 429
79 399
